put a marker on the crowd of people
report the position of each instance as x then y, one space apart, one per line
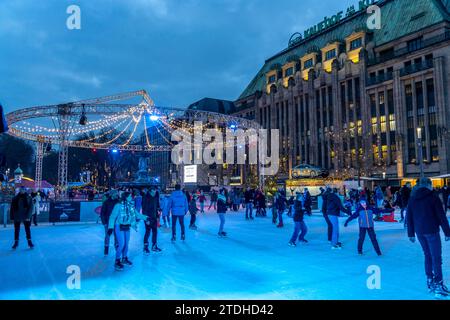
422 210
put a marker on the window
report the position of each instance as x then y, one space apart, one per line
272 79
309 63
330 54
355 44
415 44
289 72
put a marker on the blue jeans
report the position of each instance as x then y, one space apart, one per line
123 239
300 228
280 216
202 207
432 249
335 234
248 208
222 221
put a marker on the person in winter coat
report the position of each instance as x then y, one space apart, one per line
405 193
365 215
107 208
290 203
202 200
213 203
123 218
36 200
193 212
221 210
280 205
164 201
308 202
379 197
324 194
150 209
249 197
179 207
20 212
425 217
300 229
334 208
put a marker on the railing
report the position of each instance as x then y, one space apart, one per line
380 79
416 67
401 52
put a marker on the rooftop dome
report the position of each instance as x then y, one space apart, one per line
18 170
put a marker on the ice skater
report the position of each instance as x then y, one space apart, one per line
122 219
193 212
300 229
333 211
178 206
107 208
150 208
425 217
20 212
202 200
365 215
280 205
165 213
221 210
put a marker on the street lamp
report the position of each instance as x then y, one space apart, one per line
419 145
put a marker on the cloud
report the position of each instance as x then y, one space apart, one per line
158 8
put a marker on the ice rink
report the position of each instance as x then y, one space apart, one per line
254 262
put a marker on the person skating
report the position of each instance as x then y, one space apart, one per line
124 217
221 210
280 205
300 229
405 193
35 200
202 200
107 208
334 208
425 217
308 202
324 194
178 206
290 203
165 212
213 203
365 215
193 212
249 197
20 212
150 208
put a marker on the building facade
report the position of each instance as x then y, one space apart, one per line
350 98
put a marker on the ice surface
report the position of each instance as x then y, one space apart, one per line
254 262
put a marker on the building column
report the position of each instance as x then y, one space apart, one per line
313 150
400 120
427 119
442 101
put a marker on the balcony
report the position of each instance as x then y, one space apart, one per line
404 51
380 79
417 67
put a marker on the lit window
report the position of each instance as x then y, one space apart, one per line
330 54
272 79
289 72
308 64
355 44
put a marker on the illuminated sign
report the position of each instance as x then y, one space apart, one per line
329 22
190 174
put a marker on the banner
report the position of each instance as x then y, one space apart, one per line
65 211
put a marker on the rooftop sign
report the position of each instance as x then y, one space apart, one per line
329 22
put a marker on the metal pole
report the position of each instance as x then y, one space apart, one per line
419 143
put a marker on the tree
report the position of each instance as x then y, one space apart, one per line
17 151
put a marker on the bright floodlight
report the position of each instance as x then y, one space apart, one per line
154 117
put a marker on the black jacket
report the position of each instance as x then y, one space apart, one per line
107 208
324 196
334 205
150 206
299 211
405 194
221 205
249 196
21 208
425 214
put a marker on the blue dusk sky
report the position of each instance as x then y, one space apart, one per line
178 50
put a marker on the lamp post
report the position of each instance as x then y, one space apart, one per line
419 145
